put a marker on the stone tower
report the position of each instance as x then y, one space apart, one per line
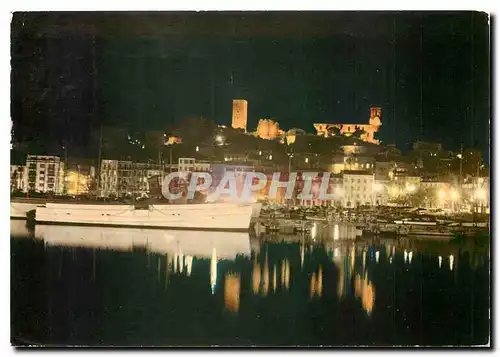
240 114
376 116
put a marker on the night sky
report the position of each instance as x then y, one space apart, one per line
428 71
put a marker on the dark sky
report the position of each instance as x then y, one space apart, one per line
428 71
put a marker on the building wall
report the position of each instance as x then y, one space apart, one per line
45 174
109 178
358 189
125 178
268 129
18 178
347 129
240 114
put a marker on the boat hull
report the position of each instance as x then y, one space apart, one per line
232 217
20 210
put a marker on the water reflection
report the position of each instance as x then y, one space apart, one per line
160 286
232 284
19 228
181 244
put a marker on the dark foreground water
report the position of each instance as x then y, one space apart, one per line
95 286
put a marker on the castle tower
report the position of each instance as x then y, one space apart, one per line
240 114
375 116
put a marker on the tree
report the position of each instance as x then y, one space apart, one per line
334 131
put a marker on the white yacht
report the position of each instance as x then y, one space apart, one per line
205 216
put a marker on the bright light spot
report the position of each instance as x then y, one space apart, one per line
143 146
336 232
306 160
336 252
390 260
197 148
410 188
314 230
260 152
213 270
219 139
440 261
410 256
459 156
406 256
377 255
454 195
481 194
270 157
451 262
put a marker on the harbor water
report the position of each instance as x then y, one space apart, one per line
131 287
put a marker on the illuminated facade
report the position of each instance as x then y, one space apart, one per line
122 178
78 182
374 124
240 114
358 189
268 129
45 174
18 178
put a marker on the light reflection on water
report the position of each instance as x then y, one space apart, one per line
275 290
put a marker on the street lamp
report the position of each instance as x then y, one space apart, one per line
197 149
219 139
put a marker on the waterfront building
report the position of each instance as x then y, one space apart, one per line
240 114
358 189
192 165
108 184
374 124
126 178
18 178
45 174
476 192
381 192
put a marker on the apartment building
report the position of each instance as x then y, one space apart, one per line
126 178
358 189
45 174
18 178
